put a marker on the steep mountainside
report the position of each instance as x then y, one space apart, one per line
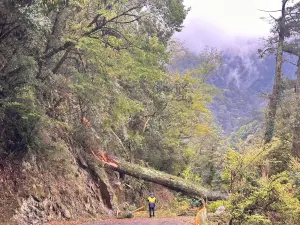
244 80
82 78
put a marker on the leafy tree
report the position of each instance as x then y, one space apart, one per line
255 200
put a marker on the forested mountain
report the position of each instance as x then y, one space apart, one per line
242 78
244 81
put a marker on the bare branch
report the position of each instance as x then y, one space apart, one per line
130 21
288 61
3 36
269 11
292 17
262 52
273 18
97 28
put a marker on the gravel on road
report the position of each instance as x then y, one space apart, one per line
146 221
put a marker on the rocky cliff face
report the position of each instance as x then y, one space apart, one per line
43 187
52 184
61 182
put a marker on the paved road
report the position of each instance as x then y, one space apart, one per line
146 221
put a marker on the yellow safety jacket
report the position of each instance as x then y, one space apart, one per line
151 200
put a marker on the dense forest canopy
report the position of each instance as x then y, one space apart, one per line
106 76
108 61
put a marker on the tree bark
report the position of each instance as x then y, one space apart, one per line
296 137
166 180
272 109
274 99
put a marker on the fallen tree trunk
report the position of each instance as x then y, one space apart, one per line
166 180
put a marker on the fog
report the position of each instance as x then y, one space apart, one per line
226 24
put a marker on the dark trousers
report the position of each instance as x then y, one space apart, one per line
151 211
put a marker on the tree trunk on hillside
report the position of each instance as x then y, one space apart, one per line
272 108
167 180
296 138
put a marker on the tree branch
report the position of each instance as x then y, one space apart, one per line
61 61
11 73
121 143
288 61
292 49
269 11
69 44
97 28
126 22
262 52
56 50
3 36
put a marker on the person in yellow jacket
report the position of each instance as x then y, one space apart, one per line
151 201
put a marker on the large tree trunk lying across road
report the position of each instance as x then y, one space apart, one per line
167 180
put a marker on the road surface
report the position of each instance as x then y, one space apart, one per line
146 221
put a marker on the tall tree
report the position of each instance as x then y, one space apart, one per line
274 98
291 47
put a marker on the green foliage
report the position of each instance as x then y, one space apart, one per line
255 200
98 73
103 72
256 220
18 127
154 114
295 173
212 207
177 13
189 175
33 15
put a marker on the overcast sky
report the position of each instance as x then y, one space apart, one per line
226 23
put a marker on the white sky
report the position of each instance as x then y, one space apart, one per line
224 23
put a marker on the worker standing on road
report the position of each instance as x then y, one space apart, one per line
152 201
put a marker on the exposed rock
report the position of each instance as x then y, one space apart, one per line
53 187
66 213
220 209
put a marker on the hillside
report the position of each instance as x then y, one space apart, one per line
104 115
83 81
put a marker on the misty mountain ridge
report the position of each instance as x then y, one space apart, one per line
244 78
